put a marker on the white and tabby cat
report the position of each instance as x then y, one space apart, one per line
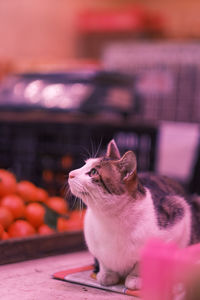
125 210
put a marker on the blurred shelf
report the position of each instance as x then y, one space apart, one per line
65 117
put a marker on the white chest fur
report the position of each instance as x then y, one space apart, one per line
116 240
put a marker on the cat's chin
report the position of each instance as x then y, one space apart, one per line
79 194
74 191
84 194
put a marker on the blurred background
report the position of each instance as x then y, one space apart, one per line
75 74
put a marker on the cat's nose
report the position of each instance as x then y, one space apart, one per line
71 175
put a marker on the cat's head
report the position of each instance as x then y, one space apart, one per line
104 178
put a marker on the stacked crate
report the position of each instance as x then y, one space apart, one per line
166 75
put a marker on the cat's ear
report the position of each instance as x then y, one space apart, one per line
112 150
128 166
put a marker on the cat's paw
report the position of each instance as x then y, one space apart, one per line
133 282
107 278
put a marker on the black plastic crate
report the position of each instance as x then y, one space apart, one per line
45 152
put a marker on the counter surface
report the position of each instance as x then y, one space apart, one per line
32 280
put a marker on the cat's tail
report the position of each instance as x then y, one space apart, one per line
195 207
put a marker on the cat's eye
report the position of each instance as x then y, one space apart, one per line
93 172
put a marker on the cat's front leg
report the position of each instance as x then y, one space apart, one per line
132 280
107 277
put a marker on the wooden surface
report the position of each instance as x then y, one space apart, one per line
32 280
20 249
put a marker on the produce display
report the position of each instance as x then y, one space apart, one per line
26 210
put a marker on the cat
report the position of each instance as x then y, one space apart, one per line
125 209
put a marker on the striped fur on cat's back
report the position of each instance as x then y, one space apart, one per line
125 209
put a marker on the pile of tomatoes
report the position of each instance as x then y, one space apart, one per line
24 206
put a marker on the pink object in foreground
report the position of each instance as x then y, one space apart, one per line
163 265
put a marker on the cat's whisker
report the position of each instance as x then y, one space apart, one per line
66 187
87 153
73 203
80 205
76 200
67 192
92 148
98 148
